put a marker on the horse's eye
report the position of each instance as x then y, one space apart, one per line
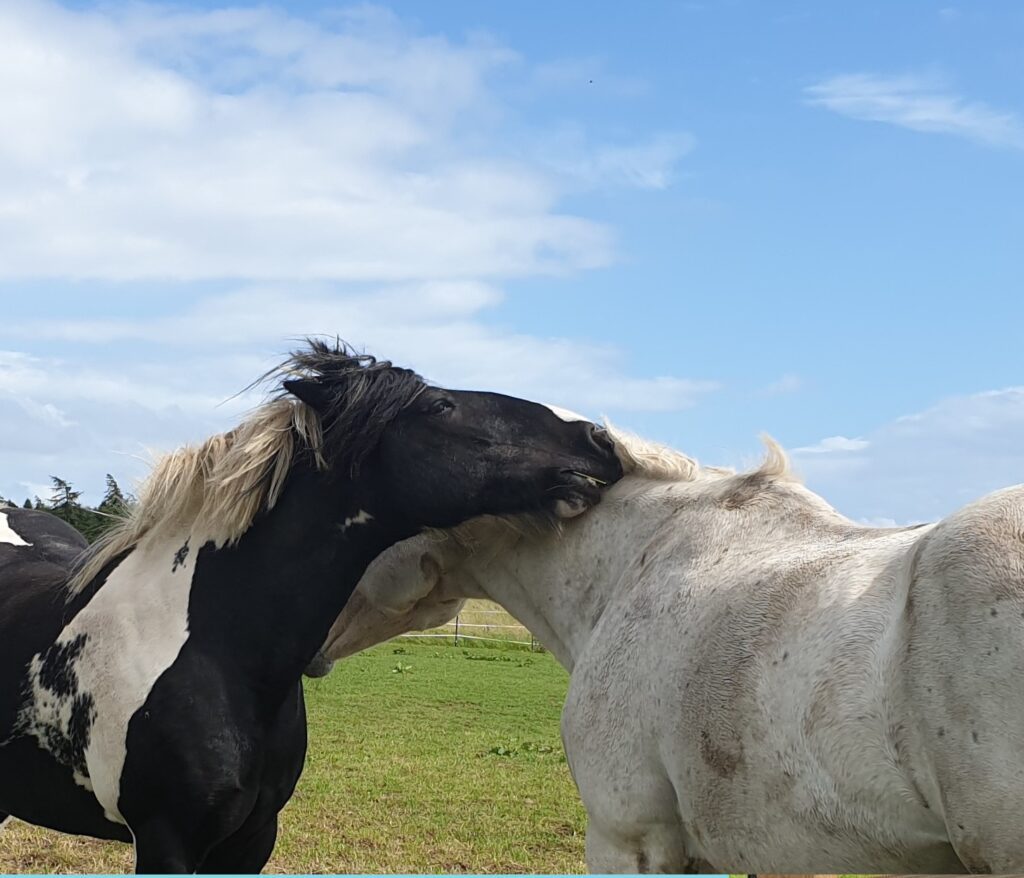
440 406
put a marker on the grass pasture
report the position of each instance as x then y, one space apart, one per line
423 758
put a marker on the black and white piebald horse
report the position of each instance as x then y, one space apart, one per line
155 696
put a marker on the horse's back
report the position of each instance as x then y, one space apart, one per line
37 533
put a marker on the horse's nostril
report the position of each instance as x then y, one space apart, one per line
600 439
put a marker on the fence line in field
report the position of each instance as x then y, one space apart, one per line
458 627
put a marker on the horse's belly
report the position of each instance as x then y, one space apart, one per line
34 787
774 841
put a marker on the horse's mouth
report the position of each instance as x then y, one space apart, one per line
320 666
575 493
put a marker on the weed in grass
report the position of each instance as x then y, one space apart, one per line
529 749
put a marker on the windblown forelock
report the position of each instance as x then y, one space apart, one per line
366 395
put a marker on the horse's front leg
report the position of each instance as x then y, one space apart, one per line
244 853
161 848
659 850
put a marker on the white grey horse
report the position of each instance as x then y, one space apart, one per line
757 683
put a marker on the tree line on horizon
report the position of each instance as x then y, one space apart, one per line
65 503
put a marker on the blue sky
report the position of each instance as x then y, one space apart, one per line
705 220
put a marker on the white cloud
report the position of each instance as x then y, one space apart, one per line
923 466
832 444
919 103
649 164
148 142
788 383
436 327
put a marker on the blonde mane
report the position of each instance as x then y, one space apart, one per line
220 485
652 460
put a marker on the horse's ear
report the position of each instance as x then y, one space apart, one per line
400 577
311 392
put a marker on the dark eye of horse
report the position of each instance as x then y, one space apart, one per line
440 406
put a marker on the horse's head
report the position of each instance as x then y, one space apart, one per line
430 457
471 453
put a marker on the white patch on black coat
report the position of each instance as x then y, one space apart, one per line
7 533
85 688
361 517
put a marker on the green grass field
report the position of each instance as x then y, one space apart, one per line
423 758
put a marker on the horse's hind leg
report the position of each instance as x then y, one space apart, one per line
245 852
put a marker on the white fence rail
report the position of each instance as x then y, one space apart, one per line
458 630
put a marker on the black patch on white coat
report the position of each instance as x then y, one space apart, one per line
64 731
57 669
179 557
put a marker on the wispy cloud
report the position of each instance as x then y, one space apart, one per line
923 466
918 103
788 383
832 444
80 418
437 327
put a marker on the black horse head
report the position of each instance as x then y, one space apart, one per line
436 457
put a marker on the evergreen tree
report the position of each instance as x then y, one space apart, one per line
115 505
114 502
27 504
64 504
64 500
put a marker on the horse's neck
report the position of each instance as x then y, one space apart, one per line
560 586
269 600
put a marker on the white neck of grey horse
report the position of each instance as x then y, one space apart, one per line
560 586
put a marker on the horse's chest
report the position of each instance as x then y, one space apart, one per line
84 689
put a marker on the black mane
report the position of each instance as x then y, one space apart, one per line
356 396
